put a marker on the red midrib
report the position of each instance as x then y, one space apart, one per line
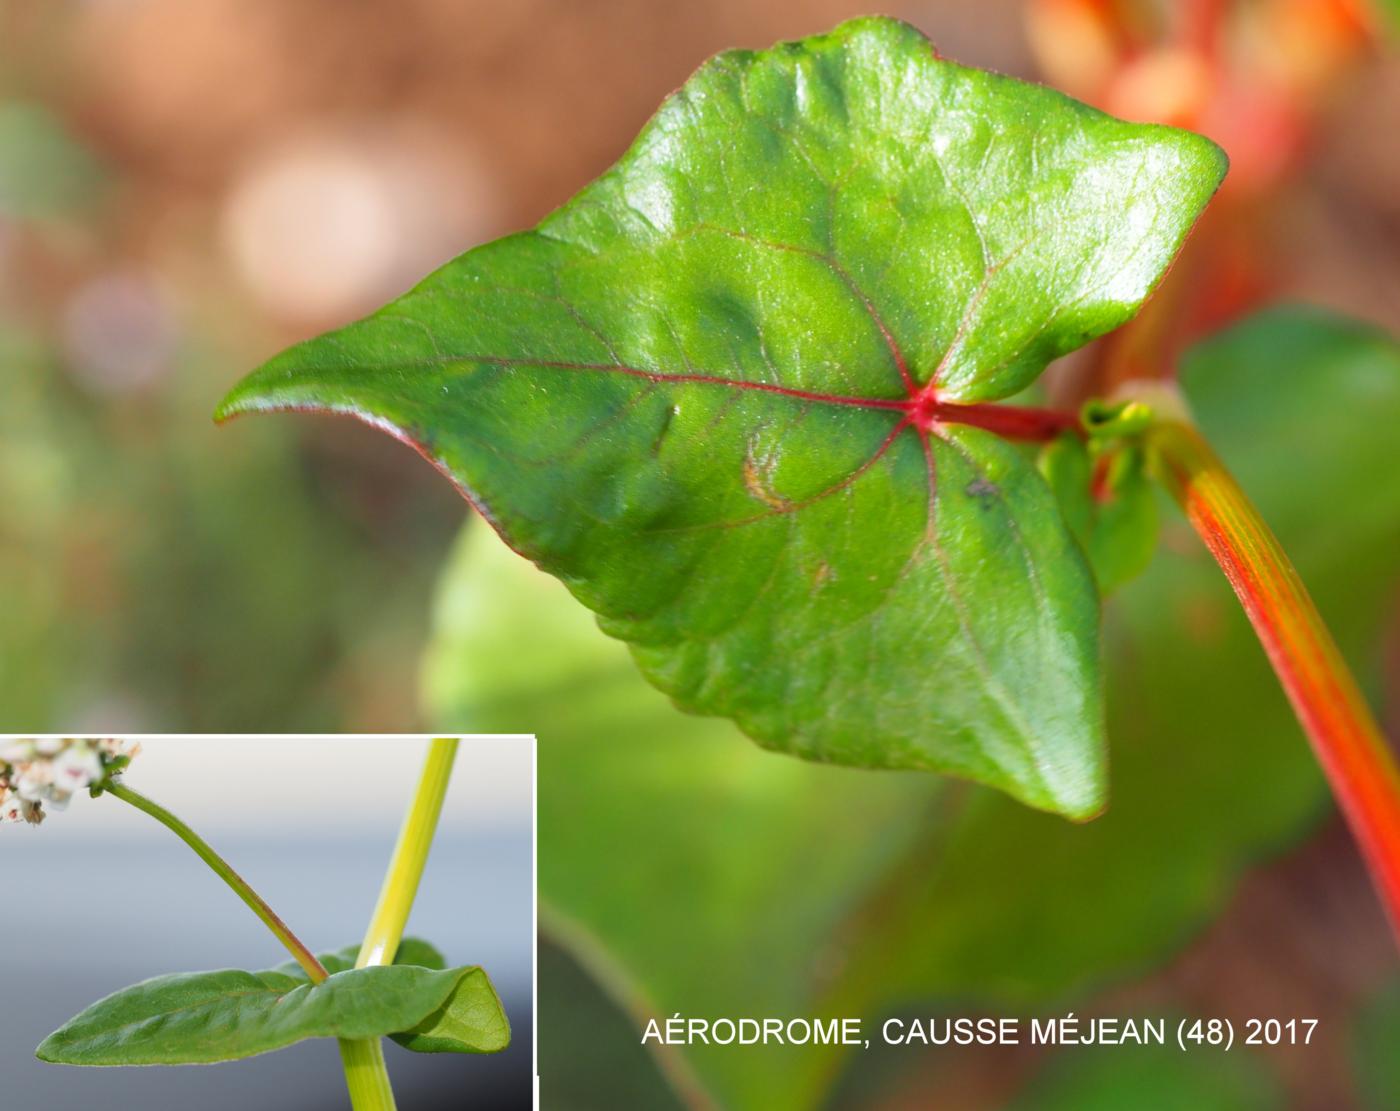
921 407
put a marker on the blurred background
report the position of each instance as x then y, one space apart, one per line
186 186
111 897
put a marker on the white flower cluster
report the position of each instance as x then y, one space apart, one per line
41 775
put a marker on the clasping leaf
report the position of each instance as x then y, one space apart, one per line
201 1017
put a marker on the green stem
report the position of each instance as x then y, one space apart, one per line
225 872
365 1072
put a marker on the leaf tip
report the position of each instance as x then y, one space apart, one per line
1079 800
1091 813
278 384
231 406
249 395
50 1050
1074 786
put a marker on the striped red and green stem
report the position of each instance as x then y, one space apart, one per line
1359 763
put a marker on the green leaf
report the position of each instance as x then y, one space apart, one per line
1109 504
202 1017
761 886
703 395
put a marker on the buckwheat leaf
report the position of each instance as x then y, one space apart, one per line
202 1017
735 394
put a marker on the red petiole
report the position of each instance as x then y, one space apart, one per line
1356 758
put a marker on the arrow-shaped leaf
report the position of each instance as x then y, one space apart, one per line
736 395
202 1017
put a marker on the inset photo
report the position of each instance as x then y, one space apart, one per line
319 921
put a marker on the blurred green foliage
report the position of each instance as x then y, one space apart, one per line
156 572
606 1066
44 172
1151 1078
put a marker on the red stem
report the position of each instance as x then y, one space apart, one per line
1014 422
1354 755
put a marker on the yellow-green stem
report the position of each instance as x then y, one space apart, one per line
365 1073
396 897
